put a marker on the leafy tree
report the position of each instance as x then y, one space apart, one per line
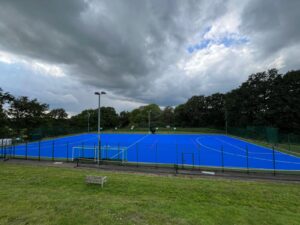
250 103
80 121
5 98
58 114
109 119
284 102
139 116
264 99
124 119
181 117
26 114
167 116
215 110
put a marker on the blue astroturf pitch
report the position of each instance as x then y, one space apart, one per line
170 149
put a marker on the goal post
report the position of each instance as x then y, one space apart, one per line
107 152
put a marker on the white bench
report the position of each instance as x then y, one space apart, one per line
96 180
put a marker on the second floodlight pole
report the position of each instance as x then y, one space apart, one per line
226 121
88 114
149 119
99 144
226 117
99 119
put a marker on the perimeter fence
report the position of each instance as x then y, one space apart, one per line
269 137
192 157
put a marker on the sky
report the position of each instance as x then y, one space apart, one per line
141 51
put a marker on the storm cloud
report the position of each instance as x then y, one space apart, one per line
141 51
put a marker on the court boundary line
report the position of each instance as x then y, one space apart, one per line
249 157
248 142
139 140
238 147
127 147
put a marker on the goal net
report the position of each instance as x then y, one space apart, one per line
111 153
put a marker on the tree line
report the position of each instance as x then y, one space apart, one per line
264 99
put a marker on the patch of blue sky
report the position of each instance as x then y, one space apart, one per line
206 30
201 45
230 41
227 41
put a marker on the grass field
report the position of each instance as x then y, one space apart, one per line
49 195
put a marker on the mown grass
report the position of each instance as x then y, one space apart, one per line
49 195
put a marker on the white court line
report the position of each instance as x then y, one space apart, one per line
266 147
138 141
240 148
243 156
126 148
121 151
81 141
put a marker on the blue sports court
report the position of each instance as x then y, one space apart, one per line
205 150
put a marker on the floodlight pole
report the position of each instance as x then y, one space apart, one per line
226 116
99 119
88 114
149 120
226 121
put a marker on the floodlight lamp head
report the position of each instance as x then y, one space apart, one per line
97 93
103 93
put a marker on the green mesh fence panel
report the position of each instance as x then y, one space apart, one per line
272 135
268 134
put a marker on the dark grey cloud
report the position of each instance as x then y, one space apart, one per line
118 45
137 49
273 25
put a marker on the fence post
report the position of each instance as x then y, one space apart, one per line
14 147
5 153
182 158
193 159
124 155
137 154
289 142
99 149
82 150
52 150
26 150
39 150
119 151
67 151
274 166
199 157
176 155
222 155
2 151
247 158
156 155
106 155
95 153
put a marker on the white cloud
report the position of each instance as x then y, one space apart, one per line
137 51
35 66
6 57
44 68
